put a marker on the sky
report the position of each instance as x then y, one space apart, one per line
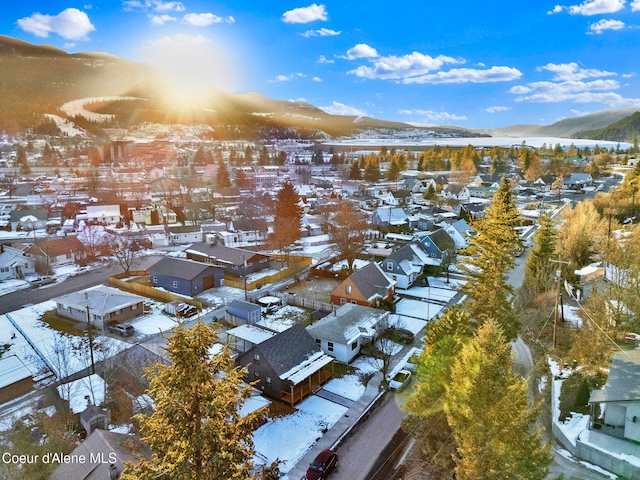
467 63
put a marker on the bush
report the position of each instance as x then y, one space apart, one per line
575 393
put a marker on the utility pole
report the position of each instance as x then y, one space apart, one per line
558 278
93 363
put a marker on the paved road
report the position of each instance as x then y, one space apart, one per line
16 300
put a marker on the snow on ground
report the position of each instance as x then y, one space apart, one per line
366 365
288 438
343 264
417 309
13 285
409 323
571 314
453 284
153 323
65 353
92 386
212 299
283 319
388 346
67 127
76 107
348 386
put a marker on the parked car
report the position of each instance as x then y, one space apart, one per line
400 380
40 281
123 329
412 362
323 465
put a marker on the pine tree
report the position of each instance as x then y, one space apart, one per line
371 172
196 430
354 173
223 180
539 271
288 215
393 171
492 254
487 409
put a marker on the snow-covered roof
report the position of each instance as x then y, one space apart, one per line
251 333
303 370
100 299
76 392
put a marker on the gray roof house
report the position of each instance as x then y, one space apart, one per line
387 216
105 305
186 277
406 264
459 231
342 333
288 366
234 260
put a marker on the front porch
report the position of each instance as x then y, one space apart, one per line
296 393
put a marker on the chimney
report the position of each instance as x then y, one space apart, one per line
113 472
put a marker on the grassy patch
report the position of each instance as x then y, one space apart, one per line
61 324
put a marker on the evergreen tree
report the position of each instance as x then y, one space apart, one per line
371 172
354 172
223 180
196 430
393 171
539 271
430 194
288 215
486 407
492 254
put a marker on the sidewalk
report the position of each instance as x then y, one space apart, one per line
342 428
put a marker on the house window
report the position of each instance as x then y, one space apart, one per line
249 264
155 280
175 284
330 346
134 307
264 260
389 265
348 289
354 345
256 359
256 375
343 301
354 302
268 381
318 341
235 267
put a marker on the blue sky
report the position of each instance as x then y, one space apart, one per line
468 63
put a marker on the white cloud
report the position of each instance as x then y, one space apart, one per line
181 39
71 24
337 108
572 71
394 68
323 32
162 19
305 14
323 59
286 78
155 5
69 45
635 5
592 7
468 75
316 79
433 116
205 19
603 25
361 50
497 109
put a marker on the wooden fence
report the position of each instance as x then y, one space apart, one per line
294 268
148 291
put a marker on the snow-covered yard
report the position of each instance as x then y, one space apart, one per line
13 285
90 388
417 309
289 437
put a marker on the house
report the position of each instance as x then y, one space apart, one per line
29 219
14 264
470 210
406 264
287 366
186 277
456 192
577 181
101 305
103 214
397 198
240 312
244 337
245 232
234 260
614 424
57 251
342 333
184 234
368 286
15 378
544 183
436 243
387 216
459 231
422 186
104 454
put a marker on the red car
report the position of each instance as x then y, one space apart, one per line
323 465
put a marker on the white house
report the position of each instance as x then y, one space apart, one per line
342 333
459 231
14 264
103 214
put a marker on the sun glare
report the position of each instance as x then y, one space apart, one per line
192 64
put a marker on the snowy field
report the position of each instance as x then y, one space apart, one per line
8 286
283 319
288 438
348 386
409 323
